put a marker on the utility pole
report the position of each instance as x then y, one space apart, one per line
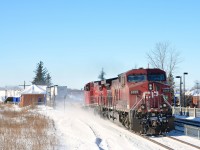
65 99
197 92
181 102
24 85
6 93
53 95
184 101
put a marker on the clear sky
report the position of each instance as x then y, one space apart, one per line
76 38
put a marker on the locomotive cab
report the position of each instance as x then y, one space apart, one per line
150 99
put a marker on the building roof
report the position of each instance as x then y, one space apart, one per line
15 88
33 89
195 92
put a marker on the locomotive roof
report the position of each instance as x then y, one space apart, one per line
143 71
133 71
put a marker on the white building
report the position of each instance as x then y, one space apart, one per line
9 92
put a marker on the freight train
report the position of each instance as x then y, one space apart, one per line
140 99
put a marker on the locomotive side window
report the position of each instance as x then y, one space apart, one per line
136 78
156 77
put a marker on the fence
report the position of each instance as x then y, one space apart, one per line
184 111
192 131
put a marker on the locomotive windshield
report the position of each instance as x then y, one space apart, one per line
136 78
156 77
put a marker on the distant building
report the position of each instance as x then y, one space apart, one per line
56 94
195 97
196 100
40 94
32 95
10 92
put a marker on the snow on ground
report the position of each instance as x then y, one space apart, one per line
176 145
81 129
180 135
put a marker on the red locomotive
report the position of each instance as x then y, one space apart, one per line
140 99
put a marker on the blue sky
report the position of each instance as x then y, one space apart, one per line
76 38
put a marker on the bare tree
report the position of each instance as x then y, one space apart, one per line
165 57
196 86
174 60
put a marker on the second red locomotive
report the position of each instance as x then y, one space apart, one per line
140 99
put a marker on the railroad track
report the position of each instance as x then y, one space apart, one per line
174 143
166 142
194 146
165 145
144 137
153 141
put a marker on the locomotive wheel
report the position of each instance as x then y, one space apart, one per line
144 129
108 114
127 123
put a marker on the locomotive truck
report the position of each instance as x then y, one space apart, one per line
140 99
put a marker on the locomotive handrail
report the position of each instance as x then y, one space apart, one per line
167 101
136 104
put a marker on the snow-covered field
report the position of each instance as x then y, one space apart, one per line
24 129
81 129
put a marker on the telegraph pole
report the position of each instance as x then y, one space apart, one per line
24 85
184 101
197 92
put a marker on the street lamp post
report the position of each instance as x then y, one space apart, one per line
184 101
197 92
54 94
65 98
180 92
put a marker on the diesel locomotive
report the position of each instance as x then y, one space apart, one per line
140 99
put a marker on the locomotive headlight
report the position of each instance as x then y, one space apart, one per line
142 106
164 105
150 86
160 106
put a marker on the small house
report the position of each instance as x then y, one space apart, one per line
33 95
196 100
